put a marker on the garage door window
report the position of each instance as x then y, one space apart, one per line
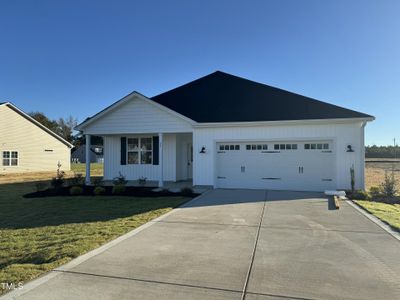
229 147
285 147
257 147
319 146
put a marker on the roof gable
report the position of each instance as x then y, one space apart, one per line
135 114
36 123
221 97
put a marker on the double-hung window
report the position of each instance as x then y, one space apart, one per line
10 158
140 151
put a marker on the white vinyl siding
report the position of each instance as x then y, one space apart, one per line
137 116
17 134
112 166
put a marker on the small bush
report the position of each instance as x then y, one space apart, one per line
78 179
120 180
76 190
375 192
40 186
118 189
98 181
359 195
388 186
142 181
58 181
186 191
99 190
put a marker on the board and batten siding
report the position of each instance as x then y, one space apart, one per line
137 116
31 142
341 135
112 160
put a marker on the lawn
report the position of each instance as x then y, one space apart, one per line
389 213
37 235
96 169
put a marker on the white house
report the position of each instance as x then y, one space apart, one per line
28 146
229 132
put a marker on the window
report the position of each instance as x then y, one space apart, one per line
10 158
229 147
140 151
285 146
257 147
318 146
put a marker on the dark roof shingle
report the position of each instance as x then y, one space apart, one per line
221 97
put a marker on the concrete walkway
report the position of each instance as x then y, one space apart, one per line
236 244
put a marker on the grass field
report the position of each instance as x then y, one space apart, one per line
37 235
375 172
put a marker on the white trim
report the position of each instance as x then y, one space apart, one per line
280 123
132 96
28 117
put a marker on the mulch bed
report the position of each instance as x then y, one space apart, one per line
131 191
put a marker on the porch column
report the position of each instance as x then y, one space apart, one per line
87 156
160 159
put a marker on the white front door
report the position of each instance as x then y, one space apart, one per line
189 155
283 165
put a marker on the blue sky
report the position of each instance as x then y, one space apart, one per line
76 57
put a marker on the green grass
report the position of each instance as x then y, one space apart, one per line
389 213
96 169
39 234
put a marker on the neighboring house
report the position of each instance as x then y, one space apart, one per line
78 154
28 146
229 132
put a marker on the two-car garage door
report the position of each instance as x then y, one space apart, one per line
292 165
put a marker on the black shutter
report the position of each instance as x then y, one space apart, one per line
123 150
156 150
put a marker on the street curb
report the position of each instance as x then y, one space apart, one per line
374 219
80 259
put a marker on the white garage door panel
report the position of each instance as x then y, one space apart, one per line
308 167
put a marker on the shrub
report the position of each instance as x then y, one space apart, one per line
98 181
359 195
40 186
76 190
58 181
388 186
142 181
118 189
120 180
99 190
78 179
352 179
186 191
375 192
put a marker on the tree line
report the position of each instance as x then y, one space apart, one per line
382 151
64 127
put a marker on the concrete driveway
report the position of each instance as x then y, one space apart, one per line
236 244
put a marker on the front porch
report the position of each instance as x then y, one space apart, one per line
163 160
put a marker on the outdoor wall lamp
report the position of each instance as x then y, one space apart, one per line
203 150
349 148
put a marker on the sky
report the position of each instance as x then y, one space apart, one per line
77 57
